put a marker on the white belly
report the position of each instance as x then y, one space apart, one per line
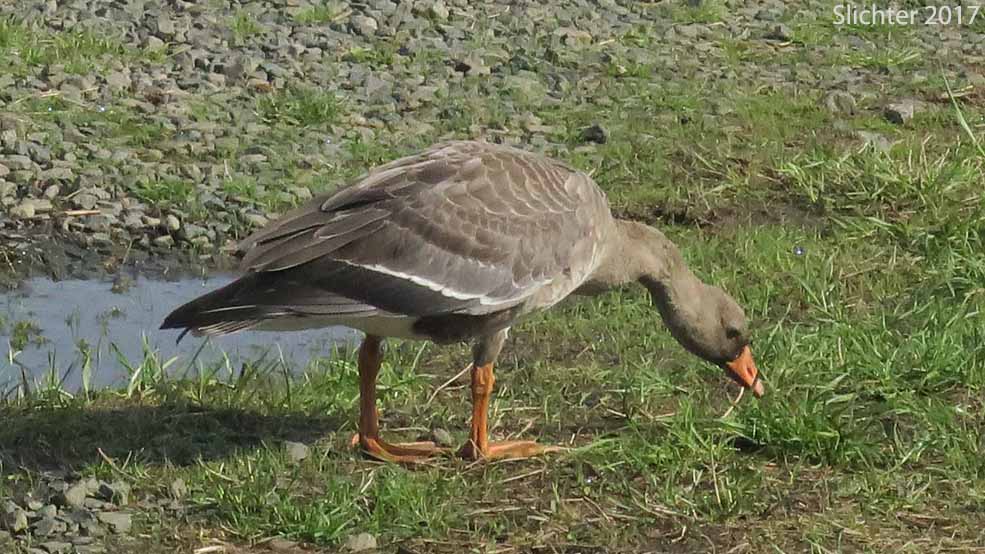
395 326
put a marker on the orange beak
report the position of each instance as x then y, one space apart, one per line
743 370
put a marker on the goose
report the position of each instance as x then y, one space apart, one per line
456 244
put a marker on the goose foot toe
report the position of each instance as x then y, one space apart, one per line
404 452
506 450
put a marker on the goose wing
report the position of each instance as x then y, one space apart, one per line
464 227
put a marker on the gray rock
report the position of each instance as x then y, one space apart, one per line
56 547
172 223
193 231
102 239
690 31
576 37
595 133
840 103
49 526
769 14
442 437
201 242
164 241
780 32
101 228
79 516
255 220
875 140
438 10
24 210
48 510
38 153
278 544
900 112
41 205
253 159
240 67
118 522
118 80
473 65
363 25
360 542
153 43
378 89
118 492
74 496
296 451
13 518
178 489
23 177
165 26
51 192
19 162
85 201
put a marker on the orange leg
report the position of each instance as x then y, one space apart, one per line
368 438
479 446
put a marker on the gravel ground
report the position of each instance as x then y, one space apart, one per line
63 513
130 127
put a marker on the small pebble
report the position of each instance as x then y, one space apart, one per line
164 241
360 542
56 547
172 222
118 522
296 451
178 488
278 544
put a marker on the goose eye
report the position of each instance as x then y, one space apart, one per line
731 332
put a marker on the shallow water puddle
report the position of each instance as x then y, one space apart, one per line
47 326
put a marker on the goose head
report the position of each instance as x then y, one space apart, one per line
710 324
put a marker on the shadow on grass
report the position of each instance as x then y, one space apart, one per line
70 438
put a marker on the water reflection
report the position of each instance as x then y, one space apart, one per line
52 327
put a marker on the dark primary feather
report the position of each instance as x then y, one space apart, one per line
255 297
463 227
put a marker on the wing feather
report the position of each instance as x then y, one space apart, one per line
461 227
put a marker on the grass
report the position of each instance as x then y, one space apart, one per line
165 191
24 46
323 13
873 359
378 56
22 332
299 107
698 12
861 270
244 25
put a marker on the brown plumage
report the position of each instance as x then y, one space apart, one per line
456 243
